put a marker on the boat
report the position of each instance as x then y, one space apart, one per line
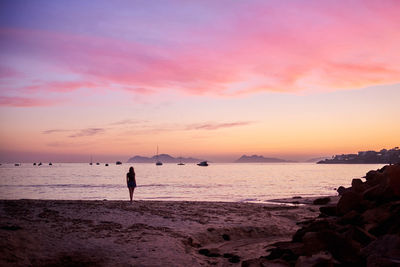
50 163
40 164
180 163
17 164
91 160
97 163
118 163
203 163
34 164
158 162
106 164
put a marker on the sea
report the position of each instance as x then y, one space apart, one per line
232 182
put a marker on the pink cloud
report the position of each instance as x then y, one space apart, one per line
251 48
26 102
60 86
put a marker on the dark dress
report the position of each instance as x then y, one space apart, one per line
131 179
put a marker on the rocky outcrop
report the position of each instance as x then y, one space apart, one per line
363 229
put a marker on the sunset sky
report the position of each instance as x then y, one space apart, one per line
208 79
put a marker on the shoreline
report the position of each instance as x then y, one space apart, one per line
144 233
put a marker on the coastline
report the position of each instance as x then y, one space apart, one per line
144 233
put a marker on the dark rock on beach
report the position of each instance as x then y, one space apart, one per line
322 201
362 229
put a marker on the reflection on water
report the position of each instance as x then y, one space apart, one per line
217 182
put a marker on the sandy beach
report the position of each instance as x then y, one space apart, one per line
143 233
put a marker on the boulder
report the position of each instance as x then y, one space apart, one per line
341 190
352 217
265 262
358 186
393 180
349 201
322 258
384 251
322 201
373 178
328 210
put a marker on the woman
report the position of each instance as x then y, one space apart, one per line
131 181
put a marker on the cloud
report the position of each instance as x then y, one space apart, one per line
216 126
51 131
243 48
76 133
16 101
59 86
127 122
88 132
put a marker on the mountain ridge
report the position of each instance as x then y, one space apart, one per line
165 158
259 159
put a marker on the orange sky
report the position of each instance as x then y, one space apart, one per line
213 80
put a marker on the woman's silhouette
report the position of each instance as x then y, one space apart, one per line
131 181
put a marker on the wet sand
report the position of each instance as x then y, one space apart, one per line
143 233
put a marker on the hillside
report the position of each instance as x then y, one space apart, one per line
165 158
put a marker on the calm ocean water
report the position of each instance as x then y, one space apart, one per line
217 182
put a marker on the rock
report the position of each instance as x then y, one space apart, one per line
214 252
363 229
352 217
341 248
226 237
314 226
264 262
11 227
312 243
384 251
374 193
393 174
373 178
391 224
282 253
204 251
360 235
328 210
322 201
349 201
375 216
234 259
341 190
322 258
357 185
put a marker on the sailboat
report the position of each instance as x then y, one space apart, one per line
91 160
158 162
180 161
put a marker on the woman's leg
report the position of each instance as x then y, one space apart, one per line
130 192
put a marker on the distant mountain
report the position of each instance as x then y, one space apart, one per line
164 158
316 159
256 158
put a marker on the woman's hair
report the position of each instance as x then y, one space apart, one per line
131 170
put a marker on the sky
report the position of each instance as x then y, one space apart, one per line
208 79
